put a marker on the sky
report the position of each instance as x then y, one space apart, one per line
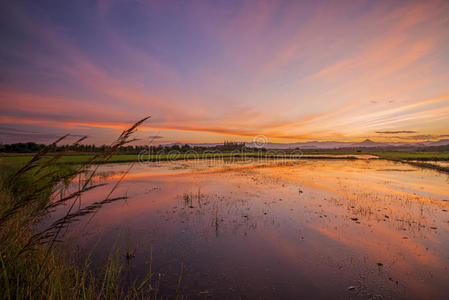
209 71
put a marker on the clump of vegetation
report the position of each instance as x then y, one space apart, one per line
33 265
189 198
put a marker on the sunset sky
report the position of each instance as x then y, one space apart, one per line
209 71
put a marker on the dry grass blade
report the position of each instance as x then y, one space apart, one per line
114 188
73 195
53 230
79 140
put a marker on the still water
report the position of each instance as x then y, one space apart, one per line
244 229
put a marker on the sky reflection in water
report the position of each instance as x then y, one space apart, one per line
272 229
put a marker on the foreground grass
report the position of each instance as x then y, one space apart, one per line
32 264
27 274
36 272
45 271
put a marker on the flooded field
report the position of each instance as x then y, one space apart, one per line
243 229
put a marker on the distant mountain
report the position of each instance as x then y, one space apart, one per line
438 143
368 143
331 144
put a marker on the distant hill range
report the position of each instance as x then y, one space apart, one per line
337 145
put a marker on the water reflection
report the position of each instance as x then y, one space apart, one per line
318 228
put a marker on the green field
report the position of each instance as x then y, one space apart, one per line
119 158
81 158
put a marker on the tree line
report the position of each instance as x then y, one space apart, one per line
32 147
